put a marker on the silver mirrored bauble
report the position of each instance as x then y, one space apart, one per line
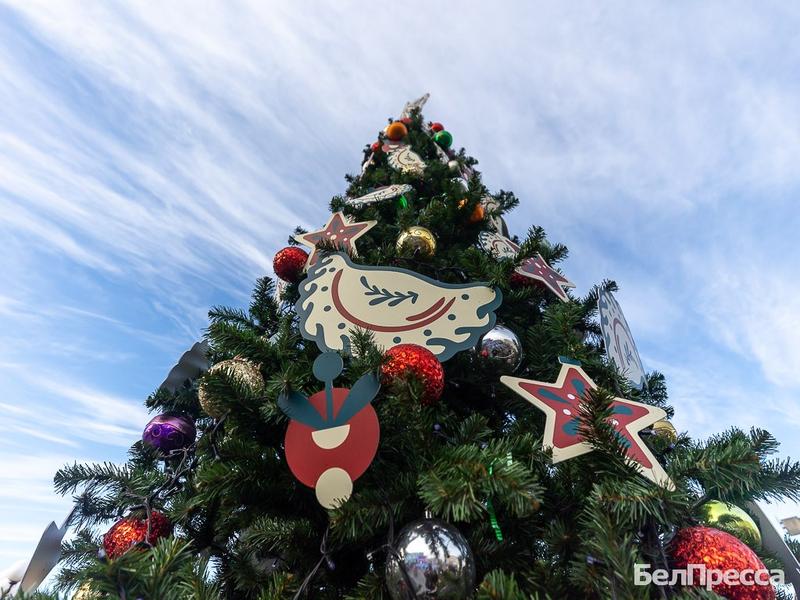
501 347
433 561
454 166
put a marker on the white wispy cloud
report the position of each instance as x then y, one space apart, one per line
153 159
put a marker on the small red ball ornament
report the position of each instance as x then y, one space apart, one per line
289 263
130 531
437 127
406 121
721 553
376 147
411 360
396 131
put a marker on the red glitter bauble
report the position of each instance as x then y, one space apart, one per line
289 263
437 127
410 360
376 147
721 552
130 531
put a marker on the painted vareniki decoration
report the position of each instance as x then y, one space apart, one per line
396 305
619 343
561 401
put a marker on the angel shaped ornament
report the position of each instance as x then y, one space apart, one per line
398 306
332 435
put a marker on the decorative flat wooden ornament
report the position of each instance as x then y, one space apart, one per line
45 557
619 343
396 305
380 194
535 267
339 231
333 435
560 401
405 160
490 204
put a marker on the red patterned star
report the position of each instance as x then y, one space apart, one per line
537 268
561 401
339 231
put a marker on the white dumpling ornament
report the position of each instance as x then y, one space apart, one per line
398 306
332 435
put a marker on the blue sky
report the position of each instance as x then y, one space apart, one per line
152 160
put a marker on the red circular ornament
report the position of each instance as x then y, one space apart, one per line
376 147
721 553
411 360
437 127
289 263
128 532
406 121
309 457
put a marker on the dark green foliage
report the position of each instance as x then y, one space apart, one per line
246 529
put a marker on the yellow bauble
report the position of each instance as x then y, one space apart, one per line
666 429
732 519
416 240
240 370
85 592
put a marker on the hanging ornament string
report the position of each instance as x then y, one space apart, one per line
498 533
323 549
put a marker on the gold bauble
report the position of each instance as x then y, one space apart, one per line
416 240
240 370
732 519
665 429
85 592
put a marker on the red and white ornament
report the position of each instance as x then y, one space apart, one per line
561 402
532 271
333 434
339 232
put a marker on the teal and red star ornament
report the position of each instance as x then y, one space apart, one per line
560 401
532 270
339 232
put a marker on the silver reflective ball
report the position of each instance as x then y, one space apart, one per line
501 347
454 166
434 561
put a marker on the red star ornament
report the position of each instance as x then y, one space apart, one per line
561 401
339 231
534 267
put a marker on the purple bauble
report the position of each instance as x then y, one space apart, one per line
169 432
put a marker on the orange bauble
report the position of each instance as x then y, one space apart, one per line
477 213
130 531
396 131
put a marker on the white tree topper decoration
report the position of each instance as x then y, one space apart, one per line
396 305
619 343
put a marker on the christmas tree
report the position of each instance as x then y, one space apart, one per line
419 408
